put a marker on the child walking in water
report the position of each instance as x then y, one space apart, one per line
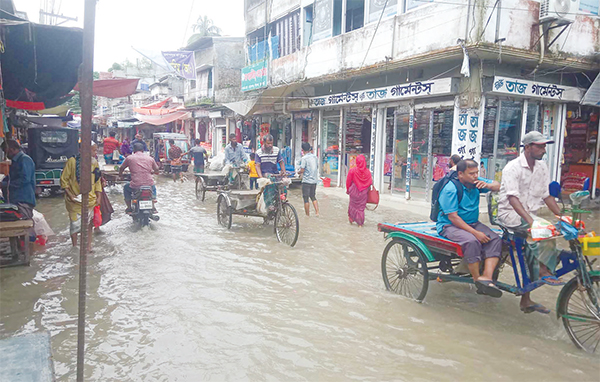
253 174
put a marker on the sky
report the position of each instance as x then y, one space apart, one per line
146 24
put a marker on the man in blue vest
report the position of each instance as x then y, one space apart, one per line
458 220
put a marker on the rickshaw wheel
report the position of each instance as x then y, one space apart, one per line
224 211
287 226
582 325
404 269
200 188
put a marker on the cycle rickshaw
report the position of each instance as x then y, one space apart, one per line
245 202
416 254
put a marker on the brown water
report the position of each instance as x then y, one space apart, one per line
188 300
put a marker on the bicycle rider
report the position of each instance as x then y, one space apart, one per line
267 158
234 155
523 191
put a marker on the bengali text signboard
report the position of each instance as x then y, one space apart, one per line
467 133
254 76
411 90
183 63
531 89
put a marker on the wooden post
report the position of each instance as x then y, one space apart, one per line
86 89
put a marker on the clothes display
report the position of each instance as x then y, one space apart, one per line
442 132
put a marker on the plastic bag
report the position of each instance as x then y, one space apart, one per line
97 217
261 206
40 226
216 163
569 232
542 229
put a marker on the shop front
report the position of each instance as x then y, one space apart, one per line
305 130
579 154
515 107
403 131
421 134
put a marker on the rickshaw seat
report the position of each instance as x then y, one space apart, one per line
427 233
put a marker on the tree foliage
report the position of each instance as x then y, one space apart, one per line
144 64
204 27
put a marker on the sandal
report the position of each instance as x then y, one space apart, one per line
558 282
536 308
487 287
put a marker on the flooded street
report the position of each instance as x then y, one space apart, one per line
188 300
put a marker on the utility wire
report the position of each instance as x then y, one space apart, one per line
371 43
187 25
488 20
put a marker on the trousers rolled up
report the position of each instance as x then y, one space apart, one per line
473 250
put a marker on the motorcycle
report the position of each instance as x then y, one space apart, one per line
142 206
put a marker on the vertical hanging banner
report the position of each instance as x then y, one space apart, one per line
182 62
411 126
467 133
373 141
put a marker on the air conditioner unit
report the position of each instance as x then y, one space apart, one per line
564 11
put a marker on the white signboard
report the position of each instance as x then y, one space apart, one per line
517 87
411 90
467 133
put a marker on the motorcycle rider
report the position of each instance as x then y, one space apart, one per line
141 166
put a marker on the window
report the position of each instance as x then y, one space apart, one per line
412 4
193 84
286 34
210 79
337 17
323 20
355 14
308 24
54 136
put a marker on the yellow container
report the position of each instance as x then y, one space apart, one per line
590 245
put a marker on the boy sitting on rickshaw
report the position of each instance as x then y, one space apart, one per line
458 220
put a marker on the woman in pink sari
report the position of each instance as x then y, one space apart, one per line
358 183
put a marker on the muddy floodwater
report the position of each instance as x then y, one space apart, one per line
187 300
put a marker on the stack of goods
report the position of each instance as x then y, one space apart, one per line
354 123
573 181
576 142
489 127
442 132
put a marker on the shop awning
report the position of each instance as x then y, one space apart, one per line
114 88
266 99
164 119
159 108
242 107
592 95
156 105
39 63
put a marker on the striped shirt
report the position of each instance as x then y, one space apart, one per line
268 161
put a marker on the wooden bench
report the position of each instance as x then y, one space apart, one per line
15 231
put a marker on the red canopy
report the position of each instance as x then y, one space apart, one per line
114 88
156 105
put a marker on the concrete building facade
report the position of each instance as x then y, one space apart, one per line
408 83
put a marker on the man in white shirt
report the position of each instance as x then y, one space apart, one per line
523 191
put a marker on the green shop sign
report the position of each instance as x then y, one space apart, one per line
254 76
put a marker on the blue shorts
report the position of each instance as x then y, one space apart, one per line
128 191
108 159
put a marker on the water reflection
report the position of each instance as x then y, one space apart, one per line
190 300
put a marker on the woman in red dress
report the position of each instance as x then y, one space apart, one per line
358 182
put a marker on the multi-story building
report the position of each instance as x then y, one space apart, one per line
219 61
407 83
